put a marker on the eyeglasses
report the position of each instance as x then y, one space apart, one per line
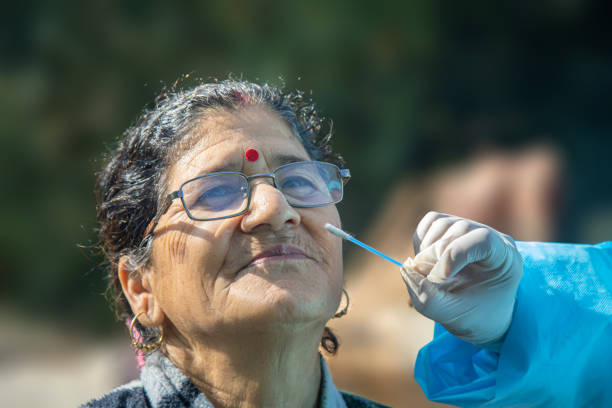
227 194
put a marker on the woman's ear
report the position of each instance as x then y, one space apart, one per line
137 289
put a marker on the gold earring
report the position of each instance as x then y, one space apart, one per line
345 308
142 346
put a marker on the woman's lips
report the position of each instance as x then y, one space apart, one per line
277 253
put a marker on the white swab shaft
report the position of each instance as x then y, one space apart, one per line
338 232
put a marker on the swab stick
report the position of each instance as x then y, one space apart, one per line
338 232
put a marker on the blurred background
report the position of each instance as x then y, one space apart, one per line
497 112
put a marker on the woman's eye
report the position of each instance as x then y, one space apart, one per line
218 191
297 182
219 197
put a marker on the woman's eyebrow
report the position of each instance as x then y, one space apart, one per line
280 159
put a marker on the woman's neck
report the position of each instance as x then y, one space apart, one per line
271 368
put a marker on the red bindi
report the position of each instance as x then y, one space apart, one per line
251 155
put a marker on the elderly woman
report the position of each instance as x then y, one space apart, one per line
212 212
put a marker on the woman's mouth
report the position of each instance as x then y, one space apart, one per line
277 253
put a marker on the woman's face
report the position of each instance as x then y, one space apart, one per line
203 273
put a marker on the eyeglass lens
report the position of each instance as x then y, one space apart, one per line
304 184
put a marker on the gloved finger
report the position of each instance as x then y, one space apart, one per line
419 288
428 257
472 247
432 254
423 227
460 227
437 229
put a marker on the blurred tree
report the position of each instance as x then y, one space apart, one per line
410 86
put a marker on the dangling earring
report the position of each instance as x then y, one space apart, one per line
141 346
345 308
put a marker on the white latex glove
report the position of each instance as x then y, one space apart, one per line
464 276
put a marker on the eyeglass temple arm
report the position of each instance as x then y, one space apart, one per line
167 203
346 175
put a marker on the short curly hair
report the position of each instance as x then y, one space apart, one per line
130 187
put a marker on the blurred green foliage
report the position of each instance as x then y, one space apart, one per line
410 85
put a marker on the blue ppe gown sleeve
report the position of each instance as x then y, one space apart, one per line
558 349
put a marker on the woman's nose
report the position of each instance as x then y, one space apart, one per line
268 207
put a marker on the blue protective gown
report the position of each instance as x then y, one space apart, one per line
558 349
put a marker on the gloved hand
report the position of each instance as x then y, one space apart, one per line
464 276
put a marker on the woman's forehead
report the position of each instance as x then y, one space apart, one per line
218 142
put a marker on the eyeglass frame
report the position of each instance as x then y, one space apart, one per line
345 175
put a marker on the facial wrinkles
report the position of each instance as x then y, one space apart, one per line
177 235
176 246
169 234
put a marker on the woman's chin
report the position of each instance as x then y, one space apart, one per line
286 304
268 294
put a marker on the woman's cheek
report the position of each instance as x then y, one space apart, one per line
224 229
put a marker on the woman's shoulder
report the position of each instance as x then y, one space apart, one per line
130 395
355 401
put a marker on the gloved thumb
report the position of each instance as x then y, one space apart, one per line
416 282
